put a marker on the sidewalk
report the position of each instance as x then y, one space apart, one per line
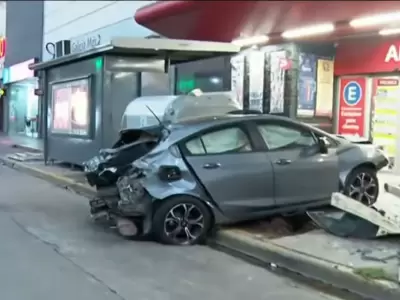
369 268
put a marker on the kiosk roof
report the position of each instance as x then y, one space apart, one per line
178 51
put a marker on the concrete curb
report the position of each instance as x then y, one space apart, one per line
341 277
50 177
240 243
392 189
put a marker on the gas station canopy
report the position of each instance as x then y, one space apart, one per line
229 20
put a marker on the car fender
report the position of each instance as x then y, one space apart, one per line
162 191
353 156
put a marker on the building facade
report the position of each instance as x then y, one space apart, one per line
86 24
21 108
89 23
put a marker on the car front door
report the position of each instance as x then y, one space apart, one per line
302 173
237 178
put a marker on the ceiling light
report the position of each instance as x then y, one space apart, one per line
375 20
259 39
309 31
390 31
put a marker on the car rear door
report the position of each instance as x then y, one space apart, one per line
302 173
237 178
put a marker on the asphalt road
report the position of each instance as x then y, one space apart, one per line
49 249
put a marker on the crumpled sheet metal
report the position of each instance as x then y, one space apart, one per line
354 219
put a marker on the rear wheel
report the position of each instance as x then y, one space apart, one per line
362 185
182 220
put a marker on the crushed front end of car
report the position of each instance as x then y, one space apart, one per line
149 181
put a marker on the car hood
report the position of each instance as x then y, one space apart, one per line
355 139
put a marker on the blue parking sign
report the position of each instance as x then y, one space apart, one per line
352 93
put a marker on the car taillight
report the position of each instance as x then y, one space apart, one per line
169 173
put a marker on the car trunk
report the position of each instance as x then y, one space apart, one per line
105 168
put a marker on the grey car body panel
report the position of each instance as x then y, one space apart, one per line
187 185
312 176
308 181
242 184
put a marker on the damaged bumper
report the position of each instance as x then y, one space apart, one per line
134 200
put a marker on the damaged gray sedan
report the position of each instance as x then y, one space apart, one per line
217 170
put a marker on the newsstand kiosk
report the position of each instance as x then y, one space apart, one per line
84 95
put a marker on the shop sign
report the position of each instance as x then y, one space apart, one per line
351 117
367 56
18 72
385 95
85 43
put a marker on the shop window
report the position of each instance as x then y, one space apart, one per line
209 75
206 82
155 84
23 108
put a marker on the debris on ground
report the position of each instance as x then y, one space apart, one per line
354 219
279 226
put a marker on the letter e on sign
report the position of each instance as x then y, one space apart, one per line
352 93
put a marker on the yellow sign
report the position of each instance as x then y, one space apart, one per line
324 105
385 95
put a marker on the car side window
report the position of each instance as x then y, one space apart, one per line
224 141
280 137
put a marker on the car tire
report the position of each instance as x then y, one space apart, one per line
366 194
171 226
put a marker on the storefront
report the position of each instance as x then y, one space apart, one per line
23 117
368 91
86 94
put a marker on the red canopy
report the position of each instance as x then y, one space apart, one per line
227 20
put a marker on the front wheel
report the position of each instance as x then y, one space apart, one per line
362 185
182 220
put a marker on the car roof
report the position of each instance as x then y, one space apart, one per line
184 129
193 125
221 119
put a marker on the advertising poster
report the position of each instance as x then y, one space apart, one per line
307 83
256 61
386 94
237 77
70 102
351 117
325 77
277 84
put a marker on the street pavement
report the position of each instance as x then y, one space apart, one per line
50 249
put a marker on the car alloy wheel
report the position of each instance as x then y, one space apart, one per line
182 220
364 188
184 223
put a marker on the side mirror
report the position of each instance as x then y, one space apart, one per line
323 148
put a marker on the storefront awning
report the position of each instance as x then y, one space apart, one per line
227 20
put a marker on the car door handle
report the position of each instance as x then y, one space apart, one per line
211 165
283 161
